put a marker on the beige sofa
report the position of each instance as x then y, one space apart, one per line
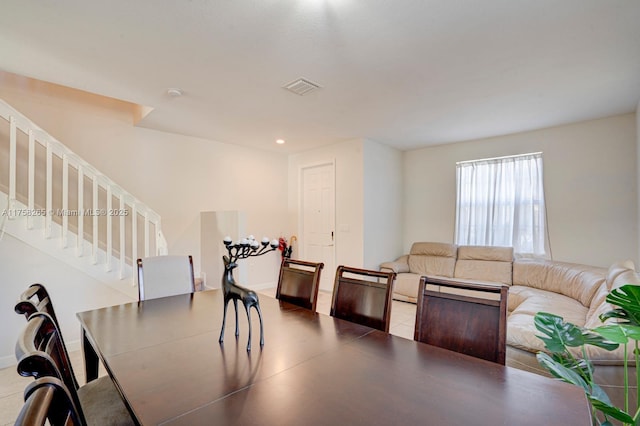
575 292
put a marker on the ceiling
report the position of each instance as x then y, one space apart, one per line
407 73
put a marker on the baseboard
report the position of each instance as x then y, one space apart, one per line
8 361
263 286
73 345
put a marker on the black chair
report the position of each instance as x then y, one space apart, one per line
299 282
363 296
41 353
465 317
48 401
36 299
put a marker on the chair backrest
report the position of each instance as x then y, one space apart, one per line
299 282
363 296
35 299
162 276
48 400
470 318
41 353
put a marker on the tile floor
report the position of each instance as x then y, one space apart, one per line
12 385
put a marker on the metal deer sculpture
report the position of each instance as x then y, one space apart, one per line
247 247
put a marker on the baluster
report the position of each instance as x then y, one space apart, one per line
80 240
65 200
31 178
109 230
94 246
49 192
122 237
12 165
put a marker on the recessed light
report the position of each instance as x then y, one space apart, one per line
280 141
174 92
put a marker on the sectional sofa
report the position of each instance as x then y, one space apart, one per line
575 292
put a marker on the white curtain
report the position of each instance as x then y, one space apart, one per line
500 202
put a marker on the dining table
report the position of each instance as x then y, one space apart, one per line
165 359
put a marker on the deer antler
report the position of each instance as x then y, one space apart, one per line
248 247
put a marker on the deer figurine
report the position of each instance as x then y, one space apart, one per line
247 247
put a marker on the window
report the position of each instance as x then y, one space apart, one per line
500 202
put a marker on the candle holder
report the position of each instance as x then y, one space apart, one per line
247 247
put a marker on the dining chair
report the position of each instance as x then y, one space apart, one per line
41 353
48 401
462 316
363 296
299 282
35 299
162 276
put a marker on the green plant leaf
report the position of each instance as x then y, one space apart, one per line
615 313
581 366
619 333
627 297
558 370
599 394
559 334
611 411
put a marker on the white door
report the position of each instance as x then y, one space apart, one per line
318 219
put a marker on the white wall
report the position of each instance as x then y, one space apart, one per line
178 176
71 291
590 185
383 198
349 197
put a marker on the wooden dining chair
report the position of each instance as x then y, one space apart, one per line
162 276
299 282
35 299
465 317
48 401
41 353
363 296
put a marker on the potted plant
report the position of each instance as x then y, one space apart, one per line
573 366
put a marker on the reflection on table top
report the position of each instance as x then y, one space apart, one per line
165 358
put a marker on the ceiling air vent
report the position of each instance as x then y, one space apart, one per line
301 86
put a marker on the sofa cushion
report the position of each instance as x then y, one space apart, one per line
493 264
616 269
521 329
400 265
630 276
545 301
522 333
434 249
579 282
405 287
432 259
600 305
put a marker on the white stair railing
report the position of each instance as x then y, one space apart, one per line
102 213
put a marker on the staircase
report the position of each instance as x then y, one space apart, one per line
55 201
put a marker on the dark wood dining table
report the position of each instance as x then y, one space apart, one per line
165 359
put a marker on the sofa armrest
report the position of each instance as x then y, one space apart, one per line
399 265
